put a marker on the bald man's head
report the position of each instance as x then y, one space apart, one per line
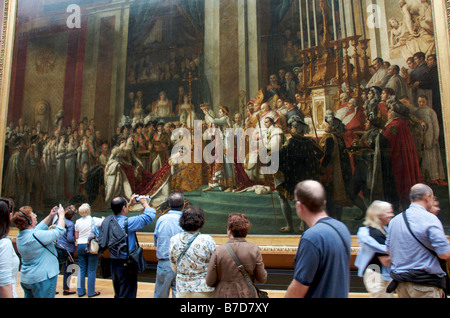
419 191
312 195
423 195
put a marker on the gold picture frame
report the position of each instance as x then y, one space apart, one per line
441 17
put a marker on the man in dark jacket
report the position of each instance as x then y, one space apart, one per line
299 160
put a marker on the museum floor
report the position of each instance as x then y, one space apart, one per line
146 289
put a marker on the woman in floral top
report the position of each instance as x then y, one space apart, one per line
190 252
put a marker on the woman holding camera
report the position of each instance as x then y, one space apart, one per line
35 243
85 227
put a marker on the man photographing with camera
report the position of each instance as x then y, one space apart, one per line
113 236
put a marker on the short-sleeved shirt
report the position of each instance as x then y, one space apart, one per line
9 264
167 226
85 226
322 260
406 253
192 268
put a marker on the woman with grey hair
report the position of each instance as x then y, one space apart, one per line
85 227
372 260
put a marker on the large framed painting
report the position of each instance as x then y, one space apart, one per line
229 102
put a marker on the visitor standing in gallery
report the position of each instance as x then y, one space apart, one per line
167 226
322 262
35 244
223 272
416 241
190 253
9 262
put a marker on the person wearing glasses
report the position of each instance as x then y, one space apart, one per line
35 243
9 262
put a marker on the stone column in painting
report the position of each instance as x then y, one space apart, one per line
105 65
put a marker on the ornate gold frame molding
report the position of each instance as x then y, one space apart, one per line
6 54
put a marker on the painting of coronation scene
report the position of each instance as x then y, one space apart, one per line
231 103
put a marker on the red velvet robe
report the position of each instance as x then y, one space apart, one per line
383 110
403 156
354 125
147 183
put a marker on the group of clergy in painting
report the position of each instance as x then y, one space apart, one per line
377 145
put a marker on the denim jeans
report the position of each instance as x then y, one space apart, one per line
67 272
165 280
44 289
88 263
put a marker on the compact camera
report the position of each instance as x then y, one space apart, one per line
140 197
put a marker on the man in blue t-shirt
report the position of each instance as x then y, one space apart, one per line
322 268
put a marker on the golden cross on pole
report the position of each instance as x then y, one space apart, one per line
190 79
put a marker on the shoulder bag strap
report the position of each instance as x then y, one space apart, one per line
92 226
410 231
44 246
126 232
342 239
442 262
240 267
187 247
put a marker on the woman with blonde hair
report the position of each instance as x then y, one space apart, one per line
84 228
372 260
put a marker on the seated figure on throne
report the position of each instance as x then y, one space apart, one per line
267 111
162 107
